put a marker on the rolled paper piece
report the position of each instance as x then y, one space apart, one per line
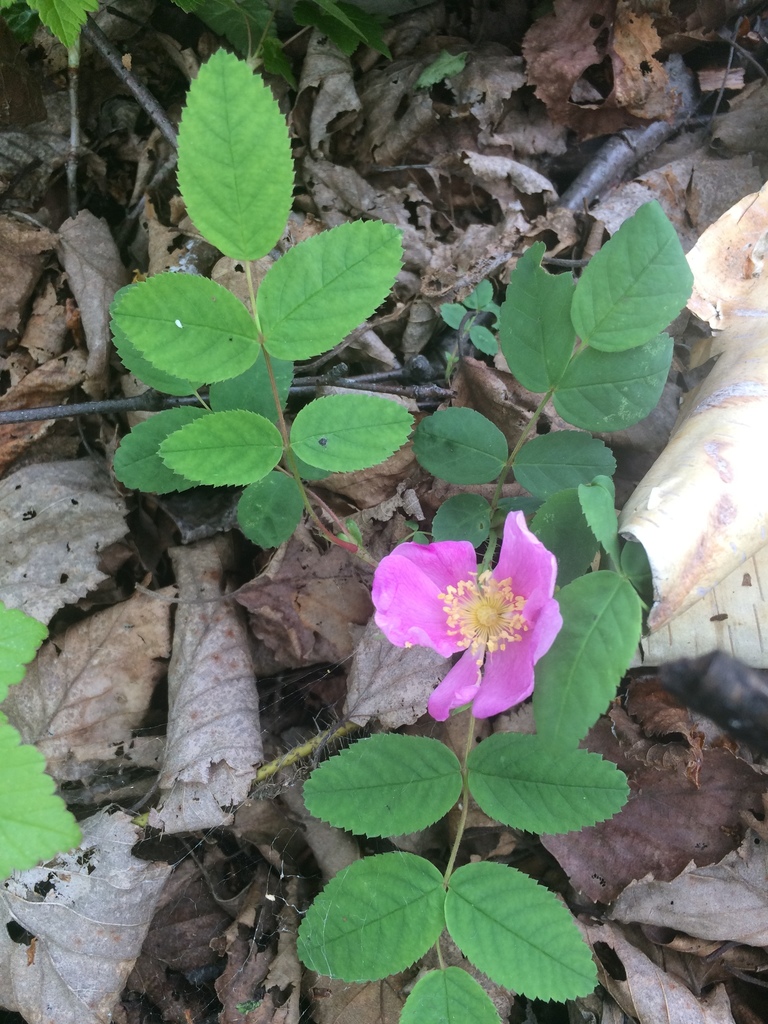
702 509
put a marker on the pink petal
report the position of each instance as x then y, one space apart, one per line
525 560
507 680
459 687
406 586
549 622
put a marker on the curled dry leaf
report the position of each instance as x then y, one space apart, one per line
89 911
702 510
214 740
55 519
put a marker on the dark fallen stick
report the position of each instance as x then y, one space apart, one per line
724 689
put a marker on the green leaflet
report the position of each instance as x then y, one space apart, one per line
562 459
560 525
535 328
65 18
517 933
578 677
463 517
449 996
342 433
385 785
20 637
224 448
270 510
374 918
519 781
235 165
137 461
460 446
603 391
320 290
178 321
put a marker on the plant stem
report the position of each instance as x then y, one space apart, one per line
530 426
463 801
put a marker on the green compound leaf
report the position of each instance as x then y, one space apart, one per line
342 433
323 288
518 780
252 390
561 527
565 458
64 18
460 446
242 22
34 823
270 510
347 26
518 933
20 637
597 503
137 461
178 321
635 285
385 785
604 391
578 677
224 448
135 362
235 166
535 328
463 517
449 996
375 918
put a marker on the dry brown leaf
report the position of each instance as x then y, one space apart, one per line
49 384
21 261
647 993
388 683
46 328
327 73
90 687
725 902
214 740
89 911
702 510
306 604
55 519
338 1002
89 255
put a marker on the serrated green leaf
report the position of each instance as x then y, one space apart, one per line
385 785
579 675
520 781
137 462
252 389
235 166
561 527
460 446
34 823
270 510
463 517
224 448
483 339
604 391
65 18
182 321
375 918
448 996
535 330
517 933
343 433
275 61
452 313
560 460
445 65
323 288
480 297
597 503
634 286
20 637
135 363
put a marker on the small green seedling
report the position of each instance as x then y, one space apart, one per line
463 318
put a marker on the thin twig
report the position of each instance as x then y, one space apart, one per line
73 156
151 107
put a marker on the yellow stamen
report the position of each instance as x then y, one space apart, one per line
485 613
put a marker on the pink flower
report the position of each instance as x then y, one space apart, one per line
505 619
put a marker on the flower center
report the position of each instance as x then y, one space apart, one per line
485 612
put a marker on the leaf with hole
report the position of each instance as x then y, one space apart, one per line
342 433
